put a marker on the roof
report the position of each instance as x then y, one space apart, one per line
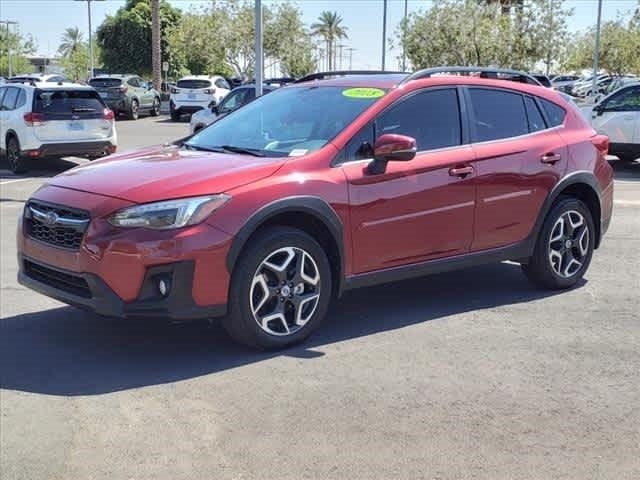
199 77
49 86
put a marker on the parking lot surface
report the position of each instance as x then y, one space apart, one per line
469 374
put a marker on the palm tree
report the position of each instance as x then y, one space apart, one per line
330 29
71 41
155 43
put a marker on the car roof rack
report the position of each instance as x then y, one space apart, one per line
344 73
483 72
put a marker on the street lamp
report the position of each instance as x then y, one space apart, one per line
7 23
596 53
90 32
259 73
384 34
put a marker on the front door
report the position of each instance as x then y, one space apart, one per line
417 210
619 116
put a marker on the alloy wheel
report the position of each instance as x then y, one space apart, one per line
13 155
569 244
285 291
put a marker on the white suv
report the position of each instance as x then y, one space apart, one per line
196 92
38 78
50 120
618 116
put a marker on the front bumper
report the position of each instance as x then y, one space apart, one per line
89 292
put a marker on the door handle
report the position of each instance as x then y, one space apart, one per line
551 158
461 171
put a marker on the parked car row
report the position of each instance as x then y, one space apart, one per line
127 94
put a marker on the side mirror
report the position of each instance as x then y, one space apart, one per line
391 148
599 109
214 108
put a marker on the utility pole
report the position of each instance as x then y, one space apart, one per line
90 34
596 53
350 50
404 38
156 45
7 23
384 33
258 64
341 46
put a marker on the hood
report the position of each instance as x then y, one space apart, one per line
166 172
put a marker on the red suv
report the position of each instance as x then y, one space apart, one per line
266 215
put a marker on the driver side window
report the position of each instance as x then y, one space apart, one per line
626 101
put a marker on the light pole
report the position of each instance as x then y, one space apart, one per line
258 66
7 23
90 33
404 38
384 33
596 53
350 50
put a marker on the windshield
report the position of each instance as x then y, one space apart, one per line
289 122
193 84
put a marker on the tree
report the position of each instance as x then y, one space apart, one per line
155 44
125 38
287 40
76 63
19 47
330 29
71 41
520 38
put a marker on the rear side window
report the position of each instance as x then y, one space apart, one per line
105 82
555 113
498 114
84 103
134 82
9 100
536 121
431 117
194 84
222 83
626 101
22 99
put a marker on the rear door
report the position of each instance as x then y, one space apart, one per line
519 158
420 209
70 115
619 116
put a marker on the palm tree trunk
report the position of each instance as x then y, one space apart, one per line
155 44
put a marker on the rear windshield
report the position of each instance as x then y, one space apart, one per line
105 82
194 83
83 103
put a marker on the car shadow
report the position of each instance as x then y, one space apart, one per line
628 171
64 351
43 167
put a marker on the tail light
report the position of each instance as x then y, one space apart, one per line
107 114
123 89
111 149
33 119
210 91
601 142
175 90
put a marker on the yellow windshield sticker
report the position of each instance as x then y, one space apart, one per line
363 92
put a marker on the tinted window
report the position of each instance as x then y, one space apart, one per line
431 117
22 99
360 147
2 92
236 99
105 82
627 100
133 82
554 112
498 114
536 122
9 100
222 83
66 102
194 83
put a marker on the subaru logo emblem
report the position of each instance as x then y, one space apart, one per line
51 218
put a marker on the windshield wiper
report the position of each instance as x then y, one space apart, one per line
189 146
248 151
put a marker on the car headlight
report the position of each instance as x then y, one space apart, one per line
168 214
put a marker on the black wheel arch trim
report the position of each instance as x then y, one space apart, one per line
576 178
309 205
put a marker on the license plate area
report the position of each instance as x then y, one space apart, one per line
191 96
75 126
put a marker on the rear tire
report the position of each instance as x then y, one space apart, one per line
133 110
17 163
280 289
564 247
155 109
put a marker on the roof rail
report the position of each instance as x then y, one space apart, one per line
484 72
343 73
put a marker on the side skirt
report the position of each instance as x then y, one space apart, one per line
517 252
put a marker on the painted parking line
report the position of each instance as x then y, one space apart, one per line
6 182
627 202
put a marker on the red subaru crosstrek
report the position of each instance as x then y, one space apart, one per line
266 215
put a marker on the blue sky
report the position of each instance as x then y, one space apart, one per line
47 19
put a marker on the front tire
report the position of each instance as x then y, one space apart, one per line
565 246
280 289
17 163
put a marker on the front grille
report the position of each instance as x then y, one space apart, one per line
67 230
62 281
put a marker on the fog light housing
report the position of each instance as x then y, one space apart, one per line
164 286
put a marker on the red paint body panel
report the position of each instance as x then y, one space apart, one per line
416 211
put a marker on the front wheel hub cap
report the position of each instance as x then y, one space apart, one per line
569 244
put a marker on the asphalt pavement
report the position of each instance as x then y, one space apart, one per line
469 374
